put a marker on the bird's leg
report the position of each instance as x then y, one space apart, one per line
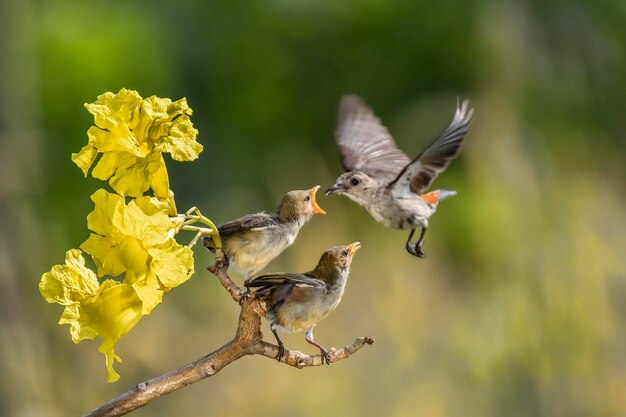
416 250
309 338
420 241
281 346
408 246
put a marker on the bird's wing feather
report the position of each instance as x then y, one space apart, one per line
420 173
254 222
285 278
364 142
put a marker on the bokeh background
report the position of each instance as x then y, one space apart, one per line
518 309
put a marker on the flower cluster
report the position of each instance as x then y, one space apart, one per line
132 240
137 240
107 310
132 133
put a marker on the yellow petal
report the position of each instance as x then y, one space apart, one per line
148 289
171 202
124 232
111 109
133 255
112 315
146 219
119 138
105 206
114 251
109 315
68 283
107 311
134 179
172 130
160 182
80 326
115 118
106 348
116 310
85 157
116 256
105 253
172 263
127 174
151 206
111 162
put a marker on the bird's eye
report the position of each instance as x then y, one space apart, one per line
354 181
307 198
345 252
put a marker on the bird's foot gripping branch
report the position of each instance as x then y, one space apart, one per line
132 241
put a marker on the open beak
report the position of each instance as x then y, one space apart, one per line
333 189
353 247
316 209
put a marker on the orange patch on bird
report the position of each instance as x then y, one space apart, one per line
431 197
297 294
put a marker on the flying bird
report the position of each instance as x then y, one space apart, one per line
254 240
297 302
382 178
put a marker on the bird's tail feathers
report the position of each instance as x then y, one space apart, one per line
434 197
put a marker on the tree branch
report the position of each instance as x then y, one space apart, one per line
301 360
219 270
248 340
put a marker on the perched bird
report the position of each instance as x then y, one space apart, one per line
252 241
381 178
297 302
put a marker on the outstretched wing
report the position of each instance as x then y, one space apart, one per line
364 143
420 173
258 221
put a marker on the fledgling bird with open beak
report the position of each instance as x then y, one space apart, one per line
381 178
297 302
251 242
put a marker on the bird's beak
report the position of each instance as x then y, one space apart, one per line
334 188
316 209
353 247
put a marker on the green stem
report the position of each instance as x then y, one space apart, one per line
197 217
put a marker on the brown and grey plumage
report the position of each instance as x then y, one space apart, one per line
254 240
382 179
297 302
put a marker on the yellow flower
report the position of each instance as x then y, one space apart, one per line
131 133
92 310
137 239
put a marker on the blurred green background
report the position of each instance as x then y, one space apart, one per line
519 308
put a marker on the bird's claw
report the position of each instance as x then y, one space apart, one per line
281 352
326 357
222 263
415 250
410 249
245 295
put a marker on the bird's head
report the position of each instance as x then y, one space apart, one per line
299 205
356 185
338 257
